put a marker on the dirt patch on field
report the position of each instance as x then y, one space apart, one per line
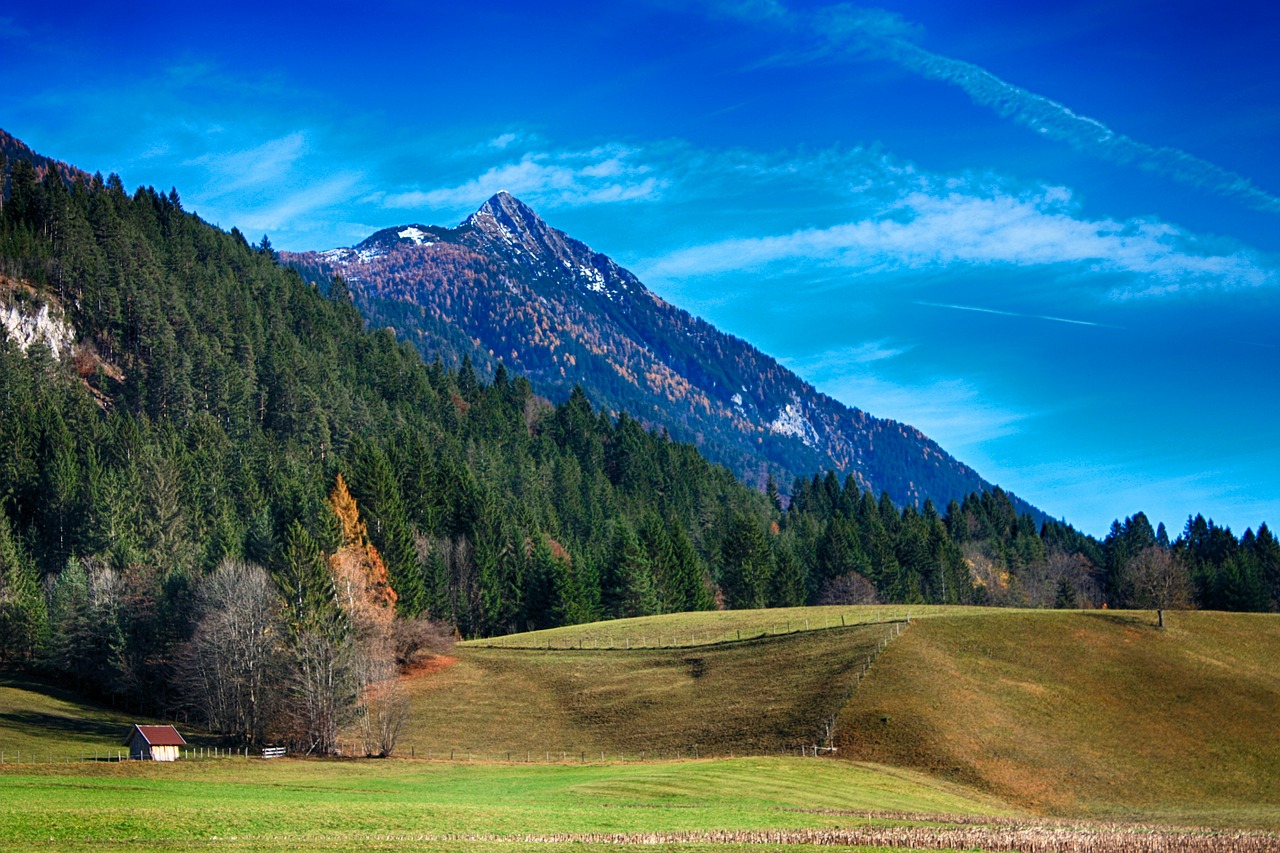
430 666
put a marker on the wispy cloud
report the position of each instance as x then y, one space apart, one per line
954 412
977 225
838 359
503 140
849 31
234 171
596 176
292 208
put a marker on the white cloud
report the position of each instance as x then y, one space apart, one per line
981 226
233 171
596 176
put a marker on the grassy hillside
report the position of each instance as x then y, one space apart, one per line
708 627
1092 713
40 721
1084 714
1095 713
756 696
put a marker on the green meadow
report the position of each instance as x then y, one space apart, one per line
254 804
650 726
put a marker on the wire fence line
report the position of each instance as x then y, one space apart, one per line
560 755
676 639
100 754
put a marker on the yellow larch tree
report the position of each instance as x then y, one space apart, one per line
360 575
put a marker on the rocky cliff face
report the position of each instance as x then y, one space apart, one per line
26 323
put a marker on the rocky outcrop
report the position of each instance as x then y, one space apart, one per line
27 323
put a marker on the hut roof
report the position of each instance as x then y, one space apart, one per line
158 735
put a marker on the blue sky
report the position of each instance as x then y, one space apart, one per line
1046 234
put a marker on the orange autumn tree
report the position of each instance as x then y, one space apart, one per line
365 593
360 575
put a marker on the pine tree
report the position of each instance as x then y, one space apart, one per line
627 587
746 564
23 613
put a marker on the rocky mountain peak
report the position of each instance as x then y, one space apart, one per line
506 222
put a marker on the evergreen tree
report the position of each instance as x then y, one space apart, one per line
627 587
746 564
23 613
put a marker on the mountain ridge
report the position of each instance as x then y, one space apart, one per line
550 307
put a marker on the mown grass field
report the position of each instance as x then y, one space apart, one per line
285 804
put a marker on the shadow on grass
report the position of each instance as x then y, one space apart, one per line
1126 618
41 724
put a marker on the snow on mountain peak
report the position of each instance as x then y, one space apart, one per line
416 234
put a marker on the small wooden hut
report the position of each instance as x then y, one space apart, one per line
154 743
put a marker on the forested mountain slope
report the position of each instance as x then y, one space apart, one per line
506 287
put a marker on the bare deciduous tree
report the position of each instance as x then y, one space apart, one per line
412 638
383 708
851 588
230 666
324 687
1158 580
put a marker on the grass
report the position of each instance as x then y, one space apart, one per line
1092 714
710 627
40 721
1096 714
252 804
751 697
1084 715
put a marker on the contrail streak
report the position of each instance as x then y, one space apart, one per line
1016 314
1057 121
867 32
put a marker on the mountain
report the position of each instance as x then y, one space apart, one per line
504 286
14 150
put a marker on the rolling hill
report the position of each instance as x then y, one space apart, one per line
1092 714
1084 716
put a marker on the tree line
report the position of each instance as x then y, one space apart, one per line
237 501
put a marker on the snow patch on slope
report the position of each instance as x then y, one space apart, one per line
792 422
594 279
337 256
417 235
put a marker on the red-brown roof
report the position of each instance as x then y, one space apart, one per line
159 735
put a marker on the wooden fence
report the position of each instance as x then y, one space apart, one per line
190 753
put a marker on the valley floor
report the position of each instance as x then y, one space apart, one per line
748 803
963 728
